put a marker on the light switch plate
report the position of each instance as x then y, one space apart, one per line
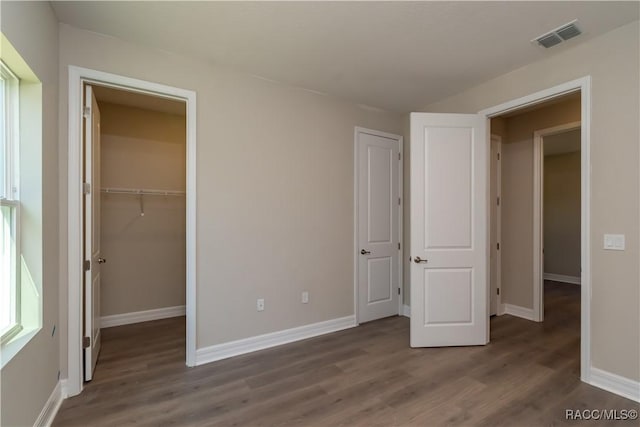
614 242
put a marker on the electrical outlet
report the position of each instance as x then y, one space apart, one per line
260 304
305 297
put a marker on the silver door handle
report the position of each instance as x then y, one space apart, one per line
417 260
101 260
363 252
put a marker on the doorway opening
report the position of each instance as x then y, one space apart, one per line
539 211
141 205
134 214
450 224
556 219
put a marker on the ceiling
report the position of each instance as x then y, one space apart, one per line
561 143
398 56
139 100
573 97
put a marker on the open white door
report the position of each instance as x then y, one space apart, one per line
92 258
449 161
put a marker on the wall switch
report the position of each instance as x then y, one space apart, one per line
305 297
260 304
614 242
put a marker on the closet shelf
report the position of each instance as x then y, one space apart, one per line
143 191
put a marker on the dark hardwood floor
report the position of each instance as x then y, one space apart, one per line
527 376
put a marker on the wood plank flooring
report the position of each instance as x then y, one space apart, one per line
527 376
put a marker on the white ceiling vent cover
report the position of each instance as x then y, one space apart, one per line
560 34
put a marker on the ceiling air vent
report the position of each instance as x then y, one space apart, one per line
560 34
549 40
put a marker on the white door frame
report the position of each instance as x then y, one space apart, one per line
356 211
77 78
583 85
499 306
538 215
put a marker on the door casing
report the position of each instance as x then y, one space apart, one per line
78 76
356 211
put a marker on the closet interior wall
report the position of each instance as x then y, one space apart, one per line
143 243
561 206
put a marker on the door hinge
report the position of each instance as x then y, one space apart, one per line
498 201
86 112
399 201
87 265
399 156
398 245
498 156
498 245
398 291
498 290
86 188
86 342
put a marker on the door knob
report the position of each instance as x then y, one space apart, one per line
101 260
363 252
417 260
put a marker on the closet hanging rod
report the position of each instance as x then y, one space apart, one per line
143 191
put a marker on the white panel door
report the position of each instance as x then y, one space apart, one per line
91 234
378 236
449 174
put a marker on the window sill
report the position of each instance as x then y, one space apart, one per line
10 334
15 344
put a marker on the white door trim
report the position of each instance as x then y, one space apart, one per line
500 306
538 215
356 210
77 77
583 85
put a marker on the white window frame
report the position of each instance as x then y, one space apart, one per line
10 113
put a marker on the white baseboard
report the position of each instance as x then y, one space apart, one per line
51 407
575 280
248 345
516 310
63 389
406 311
501 309
142 316
615 384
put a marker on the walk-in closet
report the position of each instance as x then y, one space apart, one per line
142 161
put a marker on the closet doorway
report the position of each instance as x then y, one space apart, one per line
135 213
131 215
549 130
